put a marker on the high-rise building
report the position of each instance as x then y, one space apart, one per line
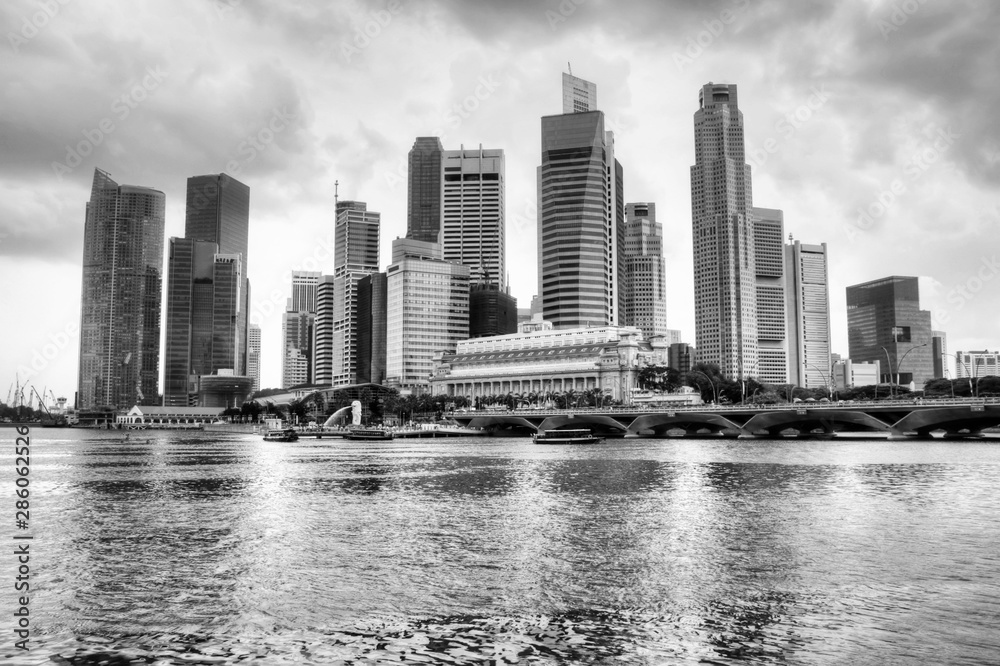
645 271
578 96
807 301
253 357
769 263
428 312
973 364
885 322
218 211
939 353
492 310
297 330
424 192
581 224
356 255
725 289
120 300
473 213
681 357
372 292
323 349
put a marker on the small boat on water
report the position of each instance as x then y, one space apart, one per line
566 437
286 435
371 434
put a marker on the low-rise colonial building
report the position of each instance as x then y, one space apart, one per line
541 359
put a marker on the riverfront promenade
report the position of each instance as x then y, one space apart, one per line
957 418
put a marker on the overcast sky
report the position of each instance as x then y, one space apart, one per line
845 104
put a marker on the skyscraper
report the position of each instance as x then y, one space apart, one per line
424 193
724 263
769 263
356 255
581 226
645 271
120 301
885 322
218 211
473 213
428 311
372 292
297 330
323 349
253 357
808 305
579 96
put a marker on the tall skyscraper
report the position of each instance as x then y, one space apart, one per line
769 262
939 353
428 312
645 271
885 322
218 211
356 255
424 193
473 214
120 301
323 349
253 356
372 293
297 330
581 225
725 290
807 301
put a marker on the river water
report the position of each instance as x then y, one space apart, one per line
205 548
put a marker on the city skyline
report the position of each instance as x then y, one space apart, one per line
868 141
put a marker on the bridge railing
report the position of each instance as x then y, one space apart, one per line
660 409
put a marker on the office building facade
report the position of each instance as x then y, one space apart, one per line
372 304
473 231
427 312
120 299
253 357
808 304
581 222
725 289
645 271
885 322
424 194
298 330
492 310
769 264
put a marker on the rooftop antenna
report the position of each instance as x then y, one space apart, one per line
570 67
336 194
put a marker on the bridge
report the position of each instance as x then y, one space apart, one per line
956 418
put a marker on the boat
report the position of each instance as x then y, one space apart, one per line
286 435
566 437
372 434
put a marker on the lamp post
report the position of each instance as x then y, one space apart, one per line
715 393
900 364
889 364
966 365
826 381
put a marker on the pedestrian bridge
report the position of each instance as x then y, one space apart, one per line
894 419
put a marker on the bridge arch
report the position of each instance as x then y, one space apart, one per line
692 423
807 420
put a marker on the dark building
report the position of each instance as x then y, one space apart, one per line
218 211
372 290
885 323
224 391
581 229
424 190
120 300
492 311
680 357
939 349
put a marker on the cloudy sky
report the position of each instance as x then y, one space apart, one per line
871 123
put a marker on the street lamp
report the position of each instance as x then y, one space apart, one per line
900 364
966 365
829 387
888 363
715 392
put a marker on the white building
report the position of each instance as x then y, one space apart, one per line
808 306
772 332
977 364
645 271
473 214
848 374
